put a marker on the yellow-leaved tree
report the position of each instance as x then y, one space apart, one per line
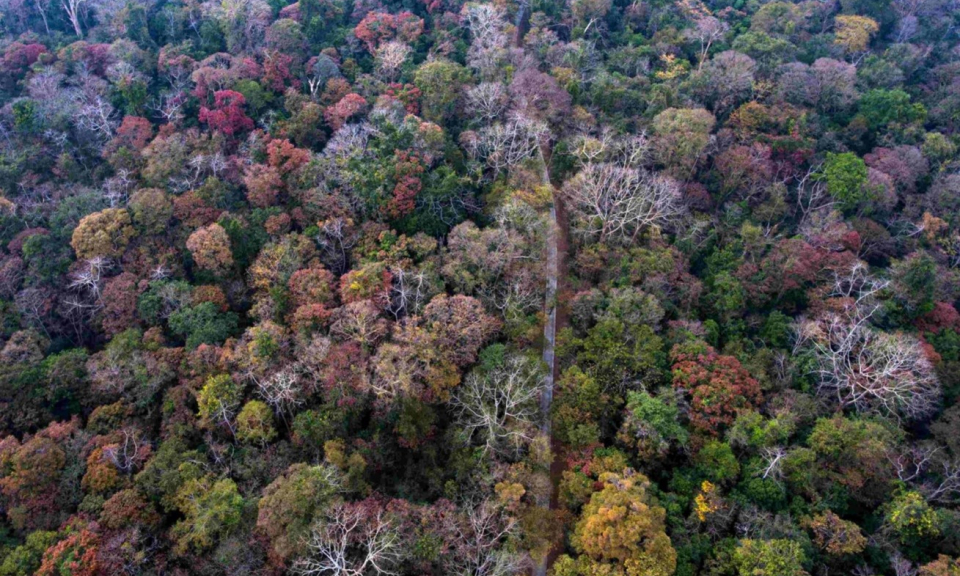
104 233
620 532
854 32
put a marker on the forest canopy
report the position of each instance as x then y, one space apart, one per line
434 287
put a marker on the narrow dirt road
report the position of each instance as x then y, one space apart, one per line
550 328
556 253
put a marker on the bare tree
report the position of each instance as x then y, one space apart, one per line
909 13
95 113
390 57
73 9
86 301
488 37
517 296
502 406
159 272
480 534
350 541
335 239
706 30
812 194
409 292
41 6
319 70
282 390
901 566
505 145
772 463
34 304
863 368
89 277
488 101
129 453
359 321
930 471
588 149
168 106
116 189
630 151
610 202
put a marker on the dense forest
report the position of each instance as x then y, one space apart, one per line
445 288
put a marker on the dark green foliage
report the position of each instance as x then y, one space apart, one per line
203 324
881 108
717 462
47 259
619 354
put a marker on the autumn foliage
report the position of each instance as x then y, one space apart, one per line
441 287
227 115
718 386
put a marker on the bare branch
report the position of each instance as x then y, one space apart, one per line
610 202
349 541
502 406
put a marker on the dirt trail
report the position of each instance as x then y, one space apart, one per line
550 328
556 269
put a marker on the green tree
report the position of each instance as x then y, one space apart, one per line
441 82
203 324
717 462
578 408
845 175
25 116
769 558
911 519
880 108
173 464
152 210
255 423
318 19
212 509
623 355
915 280
218 401
652 425
682 135
24 560
727 298
846 458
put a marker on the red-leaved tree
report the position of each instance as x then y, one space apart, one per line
348 106
408 172
379 27
227 115
718 386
